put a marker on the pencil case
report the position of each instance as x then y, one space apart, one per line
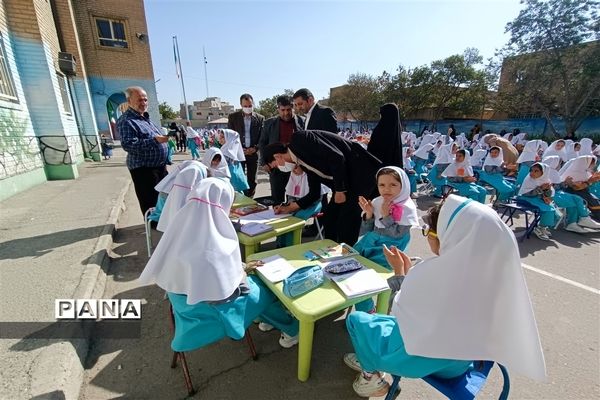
303 280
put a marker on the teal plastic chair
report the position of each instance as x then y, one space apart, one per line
463 387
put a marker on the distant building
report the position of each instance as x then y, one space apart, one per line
204 111
64 65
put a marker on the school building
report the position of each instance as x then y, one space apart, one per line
64 66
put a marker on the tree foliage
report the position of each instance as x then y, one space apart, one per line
551 64
166 111
268 107
360 98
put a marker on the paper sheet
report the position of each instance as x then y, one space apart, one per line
276 268
263 217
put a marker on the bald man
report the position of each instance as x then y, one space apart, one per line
146 147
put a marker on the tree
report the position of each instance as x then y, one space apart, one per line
166 111
268 107
453 83
551 64
360 97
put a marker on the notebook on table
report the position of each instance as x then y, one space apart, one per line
360 283
255 228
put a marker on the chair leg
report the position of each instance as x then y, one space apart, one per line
391 394
250 342
319 229
186 375
506 385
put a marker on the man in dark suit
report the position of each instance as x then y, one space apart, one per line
345 166
249 125
279 129
318 117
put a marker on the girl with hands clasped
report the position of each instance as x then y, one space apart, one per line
387 219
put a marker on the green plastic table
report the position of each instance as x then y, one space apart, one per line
318 303
240 200
251 244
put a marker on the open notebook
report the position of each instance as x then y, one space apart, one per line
360 283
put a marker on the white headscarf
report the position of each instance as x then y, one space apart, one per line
409 214
586 147
297 185
530 183
166 183
427 138
407 159
460 169
478 156
186 180
222 170
445 155
553 162
552 151
232 148
520 138
495 162
570 150
530 152
191 133
423 151
199 255
471 302
578 169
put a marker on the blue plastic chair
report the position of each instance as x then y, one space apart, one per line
464 387
514 205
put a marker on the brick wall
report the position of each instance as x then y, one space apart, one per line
135 61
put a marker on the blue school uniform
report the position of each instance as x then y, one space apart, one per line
470 190
160 204
573 204
203 323
436 178
504 189
379 346
238 178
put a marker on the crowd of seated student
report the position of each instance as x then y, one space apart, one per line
214 295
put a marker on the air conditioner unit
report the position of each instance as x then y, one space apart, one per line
67 63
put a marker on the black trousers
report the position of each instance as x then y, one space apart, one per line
278 181
342 221
251 165
144 179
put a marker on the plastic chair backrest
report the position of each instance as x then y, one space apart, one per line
465 386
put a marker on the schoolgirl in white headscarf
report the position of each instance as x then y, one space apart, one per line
537 190
581 179
493 174
198 263
164 188
578 215
478 157
586 147
388 218
426 333
460 176
557 148
421 158
444 157
232 149
528 157
220 170
186 181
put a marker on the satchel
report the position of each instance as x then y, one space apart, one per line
303 280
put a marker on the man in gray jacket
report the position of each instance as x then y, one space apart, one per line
279 130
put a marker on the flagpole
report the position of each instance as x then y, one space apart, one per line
180 75
205 73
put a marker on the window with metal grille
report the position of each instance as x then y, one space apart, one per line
111 33
7 86
64 93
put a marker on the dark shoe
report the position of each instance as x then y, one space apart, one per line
153 224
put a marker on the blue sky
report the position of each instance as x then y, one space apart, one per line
264 47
